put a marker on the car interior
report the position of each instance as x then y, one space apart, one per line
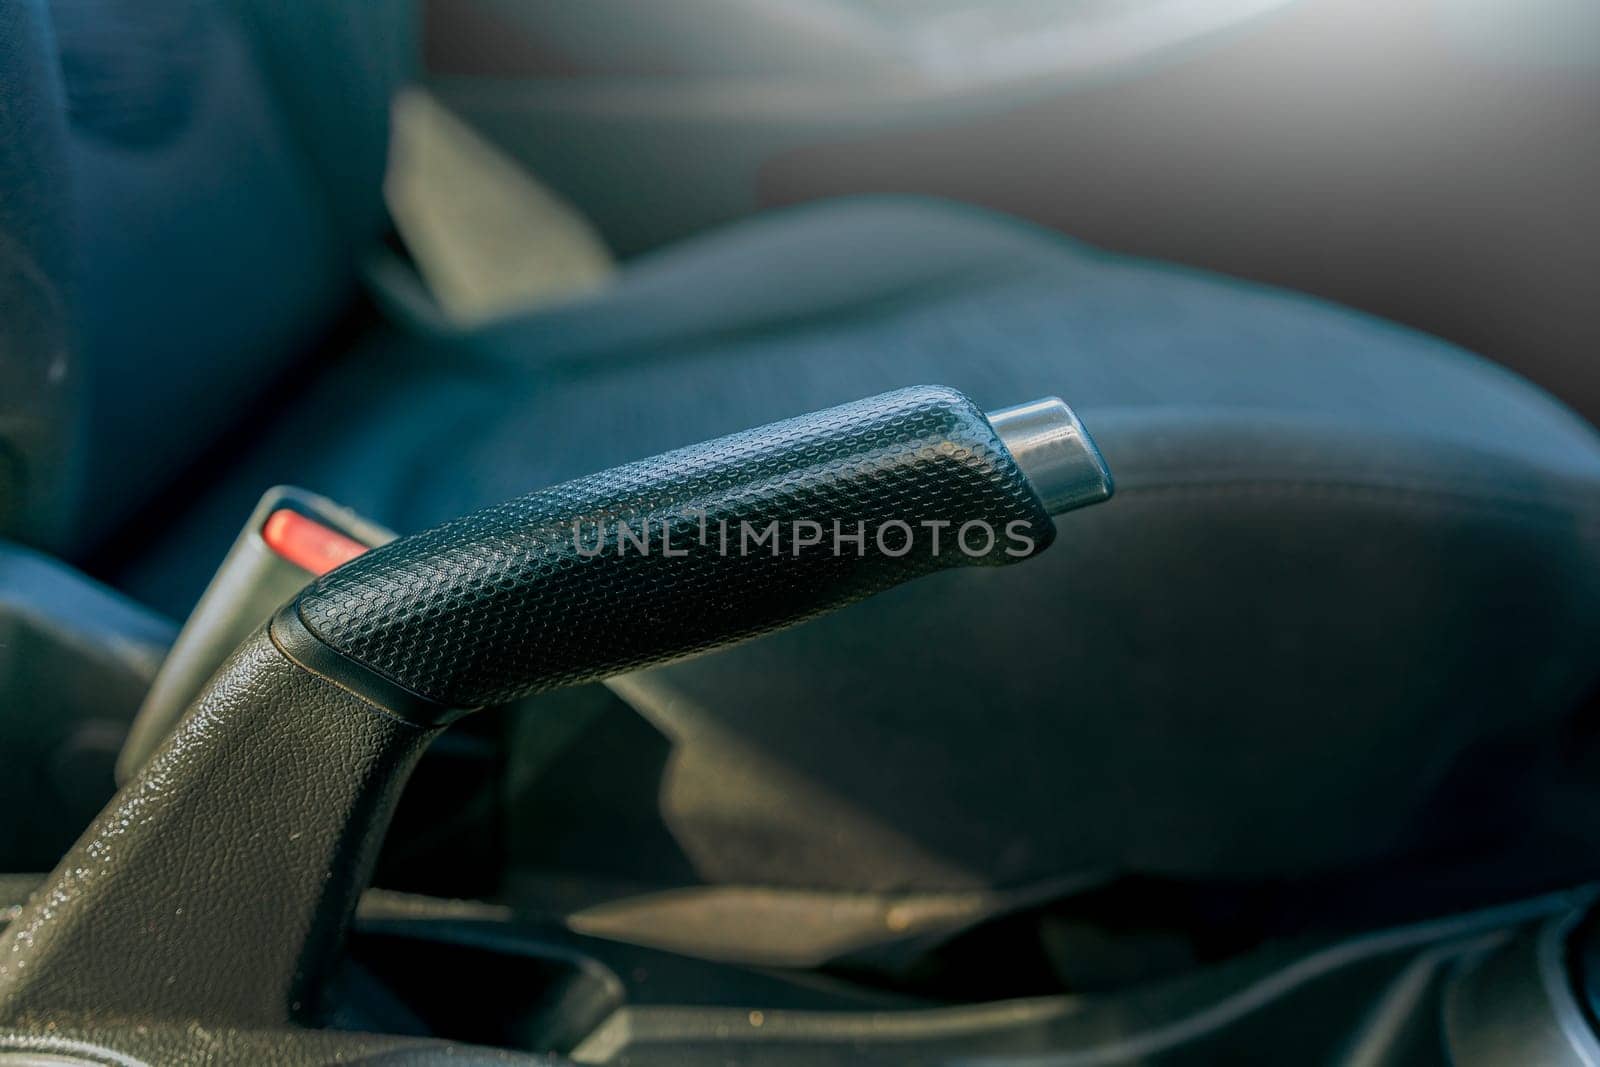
1265 330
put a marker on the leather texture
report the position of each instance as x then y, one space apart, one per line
218 883
683 552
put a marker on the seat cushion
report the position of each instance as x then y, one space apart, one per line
1348 569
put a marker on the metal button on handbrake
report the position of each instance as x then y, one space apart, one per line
1056 453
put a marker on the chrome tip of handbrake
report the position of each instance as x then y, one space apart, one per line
1057 454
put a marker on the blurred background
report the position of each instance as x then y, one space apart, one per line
1436 162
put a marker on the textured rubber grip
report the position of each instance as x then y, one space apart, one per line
683 552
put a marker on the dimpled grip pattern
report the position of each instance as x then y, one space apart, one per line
554 588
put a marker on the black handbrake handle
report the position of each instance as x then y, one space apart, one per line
697 548
218 882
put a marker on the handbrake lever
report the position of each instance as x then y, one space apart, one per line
688 551
218 883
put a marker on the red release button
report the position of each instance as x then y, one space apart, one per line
307 543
